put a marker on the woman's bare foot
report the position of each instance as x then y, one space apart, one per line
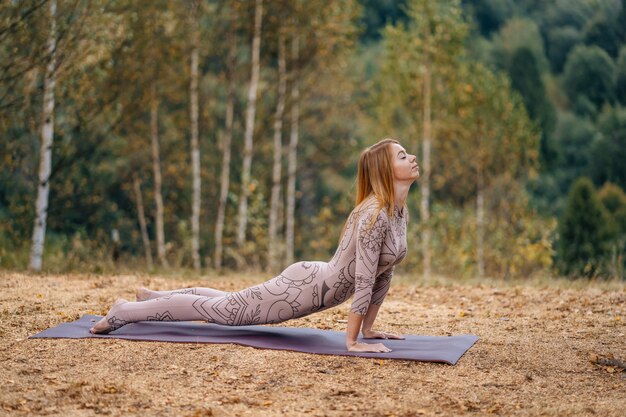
109 322
144 294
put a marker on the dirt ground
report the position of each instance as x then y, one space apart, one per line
545 349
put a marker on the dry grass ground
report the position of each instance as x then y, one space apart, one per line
535 356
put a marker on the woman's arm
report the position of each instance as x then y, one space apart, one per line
368 322
370 237
383 281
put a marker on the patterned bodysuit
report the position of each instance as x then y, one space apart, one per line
362 265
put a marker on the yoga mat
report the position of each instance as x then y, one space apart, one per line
446 349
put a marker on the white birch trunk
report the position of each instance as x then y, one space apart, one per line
278 151
142 221
156 166
292 155
195 148
45 156
249 131
480 223
425 183
226 145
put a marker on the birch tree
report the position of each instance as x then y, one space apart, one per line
495 137
249 129
45 155
441 31
292 155
433 41
141 216
156 168
278 153
195 148
225 143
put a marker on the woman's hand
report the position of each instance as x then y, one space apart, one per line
367 347
372 334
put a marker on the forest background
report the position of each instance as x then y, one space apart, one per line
225 134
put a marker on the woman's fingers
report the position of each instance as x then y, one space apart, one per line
382 348
393 336
376 348
366 347
383 335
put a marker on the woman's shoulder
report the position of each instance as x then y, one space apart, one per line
371 207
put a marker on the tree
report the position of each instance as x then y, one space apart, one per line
292 160
515 34
620 84
589 73
278 155
47 137
560 42
614 200
195 149
584 233
321 40
23 48
226 138
433 41
490 15
526 79
249 132
603 30
574 13
490 141
608 151
573 137
379 13
142 220
621 17
156 170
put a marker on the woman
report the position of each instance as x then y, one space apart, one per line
372 243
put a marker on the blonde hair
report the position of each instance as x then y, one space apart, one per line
375 176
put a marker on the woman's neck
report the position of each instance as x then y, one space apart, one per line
401 191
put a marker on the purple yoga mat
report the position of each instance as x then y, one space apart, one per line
447 349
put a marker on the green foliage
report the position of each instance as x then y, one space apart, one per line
515 34
614 200
519 243
379 13
589 74
561 40
489 15
584 232
608 152
573 138
563 56
574 13
481 129
487 130
603 30
620 83
526 79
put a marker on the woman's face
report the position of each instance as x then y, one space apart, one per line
404 165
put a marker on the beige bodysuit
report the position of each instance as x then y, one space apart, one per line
362 265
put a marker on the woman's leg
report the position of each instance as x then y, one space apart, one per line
177 307
144 294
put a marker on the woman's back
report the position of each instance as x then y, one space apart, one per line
363 262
